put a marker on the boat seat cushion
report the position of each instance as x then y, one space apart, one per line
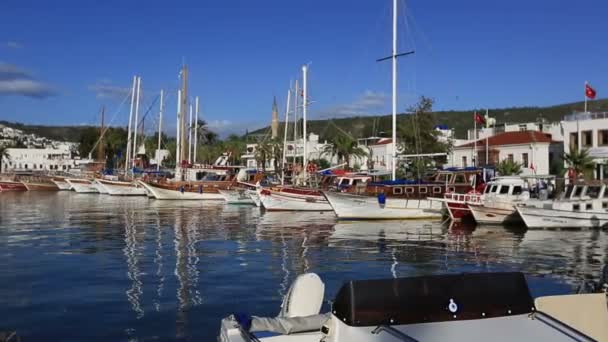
587 313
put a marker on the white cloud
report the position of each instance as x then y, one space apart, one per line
17 81
13 45
369 103
105 89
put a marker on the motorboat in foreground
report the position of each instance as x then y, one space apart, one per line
582 205
454 307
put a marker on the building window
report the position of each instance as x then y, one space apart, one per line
602 137
587 138
464 161
573 141
25 166
510 157
524 159
523 128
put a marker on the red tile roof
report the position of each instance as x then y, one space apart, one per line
513 138
384 141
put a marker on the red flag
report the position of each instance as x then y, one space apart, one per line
590 92
479 119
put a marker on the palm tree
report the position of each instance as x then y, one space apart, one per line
204 134
579 161
263 153
4 155
344 148
508 167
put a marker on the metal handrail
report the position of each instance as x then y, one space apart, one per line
394 332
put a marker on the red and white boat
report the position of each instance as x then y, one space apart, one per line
12 186
457 204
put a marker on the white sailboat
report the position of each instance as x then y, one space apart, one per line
120 188
181 193
236 196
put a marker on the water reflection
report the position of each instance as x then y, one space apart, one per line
134 268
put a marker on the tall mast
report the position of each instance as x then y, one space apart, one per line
190 137
285 137
128 155
178 150
195 127
184 108
136 123
295 122
160 129
305 107
394 152
100 147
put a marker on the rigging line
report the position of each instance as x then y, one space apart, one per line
110 123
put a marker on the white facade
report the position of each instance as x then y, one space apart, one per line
589 131
553 128
27 159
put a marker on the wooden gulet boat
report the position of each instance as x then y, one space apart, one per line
292 199
41 186
182 191
12 186
121 188
81 185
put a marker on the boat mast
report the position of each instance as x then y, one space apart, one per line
128 156
190 137
195 127
394 152
100 147
184 108
285 138
305 107
136 123
177 136
295 122
160 129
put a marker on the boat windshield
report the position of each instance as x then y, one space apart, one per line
493 189
569 191
578 191
487 189
593 191
517 190
504 190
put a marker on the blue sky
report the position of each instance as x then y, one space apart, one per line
60 60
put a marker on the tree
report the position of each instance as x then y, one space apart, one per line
343 147
204 134
263 153
4 155
508 167
580 161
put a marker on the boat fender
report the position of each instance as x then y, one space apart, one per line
181 189
200 189
382 199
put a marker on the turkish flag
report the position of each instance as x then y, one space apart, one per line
589 92
479 119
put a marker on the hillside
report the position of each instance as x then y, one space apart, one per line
60 133
460 121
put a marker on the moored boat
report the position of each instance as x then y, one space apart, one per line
61 183
181 191
81 185
40 186
582 205
457 205
254 197
292 199
236 196
356 207
121 188
12 186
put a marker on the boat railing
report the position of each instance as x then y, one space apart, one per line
458 197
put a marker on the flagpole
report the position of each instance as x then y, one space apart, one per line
474 139
586 83
487 143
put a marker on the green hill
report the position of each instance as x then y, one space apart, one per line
460 121
60 133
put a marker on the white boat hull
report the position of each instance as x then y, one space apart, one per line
81 187
537 217
168 194
284 201
254 197
100 188
62 185
115 188
494 215
356 207
236 196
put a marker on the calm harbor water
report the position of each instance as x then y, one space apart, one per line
78 267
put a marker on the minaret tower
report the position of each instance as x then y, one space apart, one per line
274 125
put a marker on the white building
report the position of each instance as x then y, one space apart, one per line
28 160
535 150
294 149
553 128
588 131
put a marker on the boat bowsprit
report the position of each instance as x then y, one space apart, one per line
237 196
455 307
